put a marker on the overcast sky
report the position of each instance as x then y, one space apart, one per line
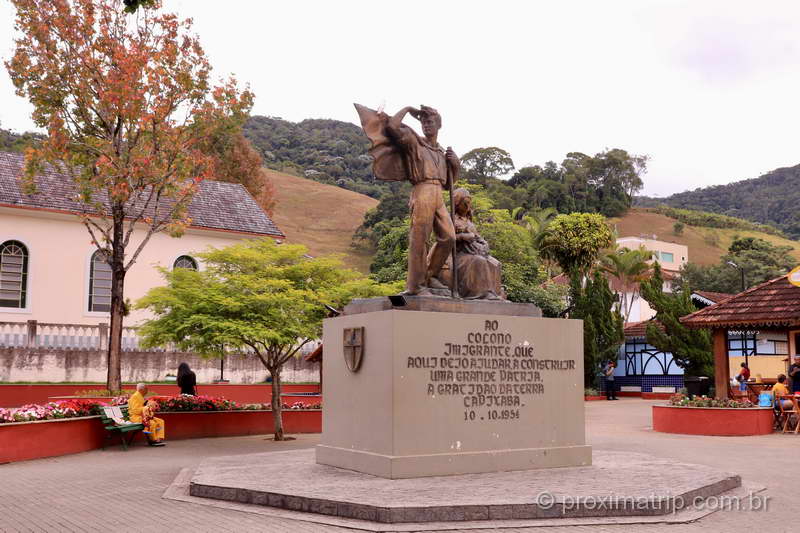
708 89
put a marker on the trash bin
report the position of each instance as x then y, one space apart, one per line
705 386
697 385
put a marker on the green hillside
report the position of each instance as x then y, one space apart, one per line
706 244
769 199
326 151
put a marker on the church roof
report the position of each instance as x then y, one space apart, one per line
217 205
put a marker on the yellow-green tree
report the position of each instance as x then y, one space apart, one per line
574 241
257 298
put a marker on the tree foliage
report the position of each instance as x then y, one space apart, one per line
603 334
17 142
604 183
236 161
480 165
131 6
126 102
770 199
760 260
630 268
257 298
713 220
574 241
691 348
327 151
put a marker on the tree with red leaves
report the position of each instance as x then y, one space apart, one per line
127 103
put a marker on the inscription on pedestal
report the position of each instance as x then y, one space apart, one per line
494 375
447 393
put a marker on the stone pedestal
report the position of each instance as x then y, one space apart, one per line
443 393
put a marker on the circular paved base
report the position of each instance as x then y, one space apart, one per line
616 485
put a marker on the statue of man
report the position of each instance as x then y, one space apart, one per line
400 154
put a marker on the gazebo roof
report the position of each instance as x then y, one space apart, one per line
774 303
709 298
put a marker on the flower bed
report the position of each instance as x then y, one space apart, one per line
710 416
14 395
78 407
72 408
681 400
60 428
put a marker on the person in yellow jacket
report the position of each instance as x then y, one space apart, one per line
142 414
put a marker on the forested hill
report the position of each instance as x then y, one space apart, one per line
769 199
327 151
15 142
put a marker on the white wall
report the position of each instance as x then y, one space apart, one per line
59 249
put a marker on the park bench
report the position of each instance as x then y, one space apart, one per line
115 421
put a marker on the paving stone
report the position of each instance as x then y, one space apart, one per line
93 491
617 484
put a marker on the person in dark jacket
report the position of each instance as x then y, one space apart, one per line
611 389
187 380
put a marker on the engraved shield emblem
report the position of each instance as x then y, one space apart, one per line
353 348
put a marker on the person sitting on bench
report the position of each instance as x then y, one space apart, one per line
143 414
780 389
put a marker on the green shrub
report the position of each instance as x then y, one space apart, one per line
713 220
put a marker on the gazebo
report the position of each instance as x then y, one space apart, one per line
760 327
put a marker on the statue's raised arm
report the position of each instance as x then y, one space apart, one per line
400 154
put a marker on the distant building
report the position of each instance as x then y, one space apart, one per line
671 256
641 367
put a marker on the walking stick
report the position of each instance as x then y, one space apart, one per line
454 270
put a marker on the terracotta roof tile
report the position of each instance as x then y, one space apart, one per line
639 329
773 303
217 205
715 297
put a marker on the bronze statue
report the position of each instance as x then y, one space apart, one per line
399 154
478 273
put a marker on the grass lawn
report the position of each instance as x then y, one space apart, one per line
322 217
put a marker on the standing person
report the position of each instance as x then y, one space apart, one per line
611 390
794 374
140 413
187 380
402 155
743 377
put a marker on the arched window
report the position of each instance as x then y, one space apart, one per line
185 261
13 274
99 283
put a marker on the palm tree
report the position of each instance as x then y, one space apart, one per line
536 222
630 267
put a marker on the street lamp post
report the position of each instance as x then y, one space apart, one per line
741 270
744 338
